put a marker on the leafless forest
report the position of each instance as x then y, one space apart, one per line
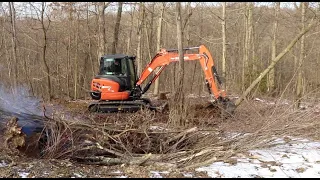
266 53
53 48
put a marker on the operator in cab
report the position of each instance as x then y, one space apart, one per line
115 67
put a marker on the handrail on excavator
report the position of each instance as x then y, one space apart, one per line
189 48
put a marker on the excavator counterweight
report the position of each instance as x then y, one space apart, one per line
118 89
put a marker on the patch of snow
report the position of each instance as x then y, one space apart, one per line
205 133
229 135
157 174
157 128
23 174
188 175
278 141
165 172
232 135
193 96
303 107
77 175
257 99
296 158
3 164
116 172
122 176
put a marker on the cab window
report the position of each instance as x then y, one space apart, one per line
113 67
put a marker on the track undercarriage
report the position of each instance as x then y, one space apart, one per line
122 106
225 108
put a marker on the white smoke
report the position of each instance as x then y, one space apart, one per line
20 102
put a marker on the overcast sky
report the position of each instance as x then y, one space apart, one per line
23 8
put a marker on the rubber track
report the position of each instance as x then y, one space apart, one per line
106 106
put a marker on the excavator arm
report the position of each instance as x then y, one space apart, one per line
165 57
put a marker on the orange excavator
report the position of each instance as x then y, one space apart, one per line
117 88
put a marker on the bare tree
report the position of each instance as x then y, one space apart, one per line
76 60
224 42
245 64
252 41
246 72
177 113
129 38
271 77
158 44
70 18
148 29
45 29
299 87
139 33
14 45
101 28
89 43
117 29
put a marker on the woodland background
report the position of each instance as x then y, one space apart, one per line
53 49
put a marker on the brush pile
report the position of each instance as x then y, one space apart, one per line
126 139
146 138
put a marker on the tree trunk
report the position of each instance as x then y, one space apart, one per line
148 44
252 42
89 43
149 32
188 45
177 111
75 64
200 84
271 77
101 29
249 41
44 51
158 45
7 54
117 29
58 89
69 51
245 63
139 33
14 46
68 66
224 44
299 87
26 70
130 33
273 63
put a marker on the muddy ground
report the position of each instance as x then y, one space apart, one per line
248 118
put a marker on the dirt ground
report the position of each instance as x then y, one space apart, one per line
248 118
29 167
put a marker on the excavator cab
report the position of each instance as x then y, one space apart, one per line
118 68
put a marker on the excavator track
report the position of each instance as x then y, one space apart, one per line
120 106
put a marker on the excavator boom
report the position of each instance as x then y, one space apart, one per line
165 57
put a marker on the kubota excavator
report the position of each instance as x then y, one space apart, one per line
116 87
